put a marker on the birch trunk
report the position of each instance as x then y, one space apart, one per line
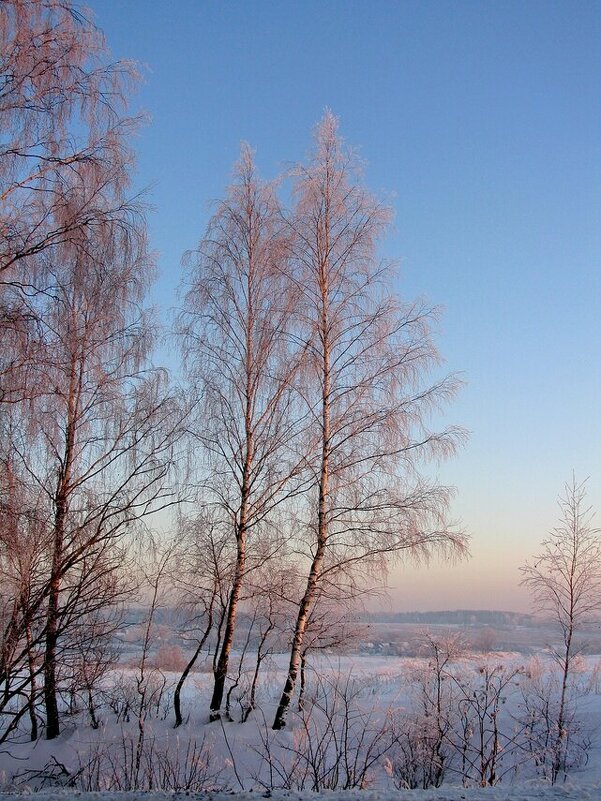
60 517
308 598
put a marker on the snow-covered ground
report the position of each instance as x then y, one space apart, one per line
251 761
567 792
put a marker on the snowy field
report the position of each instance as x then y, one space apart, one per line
355 737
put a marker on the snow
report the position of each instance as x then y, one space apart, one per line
234 749
525 792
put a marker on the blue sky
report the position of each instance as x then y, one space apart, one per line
480 122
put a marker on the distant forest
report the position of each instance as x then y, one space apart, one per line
462 617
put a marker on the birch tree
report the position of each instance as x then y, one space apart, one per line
365 389
88 426
96 444
565 581
236 346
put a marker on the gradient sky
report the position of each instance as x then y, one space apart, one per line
481 123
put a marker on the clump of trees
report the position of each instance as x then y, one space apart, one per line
313 397
299 437
300 432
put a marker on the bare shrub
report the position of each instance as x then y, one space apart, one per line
414 764
126 702
170 658
488 744
336 743
539 710
118 767
181 766
594 680
53 773
486 640
423 747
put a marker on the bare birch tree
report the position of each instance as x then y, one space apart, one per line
365 388
86 426
96 443
565 581
238 305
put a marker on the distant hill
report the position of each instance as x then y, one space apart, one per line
457 617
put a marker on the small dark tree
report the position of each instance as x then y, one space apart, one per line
202 580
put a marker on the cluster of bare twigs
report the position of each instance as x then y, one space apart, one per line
483 723
339 741
121 766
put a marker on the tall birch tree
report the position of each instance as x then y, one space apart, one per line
365 389
96 442
87 426
236 345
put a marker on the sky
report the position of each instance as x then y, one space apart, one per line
479 123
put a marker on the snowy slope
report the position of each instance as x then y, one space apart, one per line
234 749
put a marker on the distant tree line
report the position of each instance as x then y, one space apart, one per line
461 617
